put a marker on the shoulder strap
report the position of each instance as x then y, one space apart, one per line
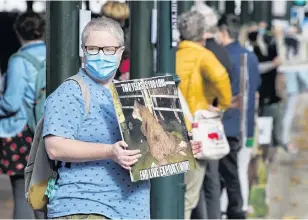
33 60
84 90
185 107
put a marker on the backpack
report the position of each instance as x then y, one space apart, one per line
36 111
40 169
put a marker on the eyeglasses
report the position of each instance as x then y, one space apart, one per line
109 50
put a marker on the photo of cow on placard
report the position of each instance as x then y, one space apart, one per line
151 120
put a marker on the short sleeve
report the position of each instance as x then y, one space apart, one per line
64 110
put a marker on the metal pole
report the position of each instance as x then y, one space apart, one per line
29 5
244 88
213 4
266 8
269 15
166 52
288 11
167 193
230 7
245 18
141 47
62 37
256 15
184 6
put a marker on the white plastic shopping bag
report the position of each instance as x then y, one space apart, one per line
265 126
208 129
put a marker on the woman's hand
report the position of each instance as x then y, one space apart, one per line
213 109
277 61
236 102
124 157
195 145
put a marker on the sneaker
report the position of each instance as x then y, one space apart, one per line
290 148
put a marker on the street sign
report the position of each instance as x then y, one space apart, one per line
174 23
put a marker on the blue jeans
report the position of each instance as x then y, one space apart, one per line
296 82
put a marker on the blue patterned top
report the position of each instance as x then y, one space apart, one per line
98 187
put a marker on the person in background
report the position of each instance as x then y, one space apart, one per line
119 11
19 94
202 79
228 30
270 104
211 184
292 49
96 184
123 73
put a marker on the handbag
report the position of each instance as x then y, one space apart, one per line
208 129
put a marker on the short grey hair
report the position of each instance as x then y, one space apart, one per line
103 24
191 26
210 16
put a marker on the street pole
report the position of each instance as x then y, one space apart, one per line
287 14
62 39
184 6
230 7
245 18
213 4
141 47
167 193
29 6
265 7
268 5
257 16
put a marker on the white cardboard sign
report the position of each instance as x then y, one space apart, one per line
265 126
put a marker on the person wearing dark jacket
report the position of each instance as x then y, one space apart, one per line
210 194
228 31
270 103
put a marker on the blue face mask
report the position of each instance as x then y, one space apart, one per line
262 31
101 66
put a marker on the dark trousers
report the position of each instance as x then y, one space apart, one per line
212 189
200 212
209 202
228 170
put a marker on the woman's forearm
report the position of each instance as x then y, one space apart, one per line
68 150
264 67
